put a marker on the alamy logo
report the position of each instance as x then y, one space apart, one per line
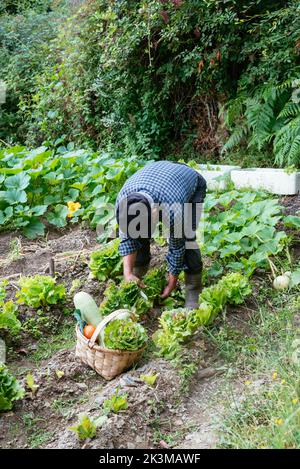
3 89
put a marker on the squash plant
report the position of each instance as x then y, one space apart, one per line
41 184
127 295
125 334
240 231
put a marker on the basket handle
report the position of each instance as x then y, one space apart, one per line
103 323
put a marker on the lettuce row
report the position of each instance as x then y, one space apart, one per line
177 325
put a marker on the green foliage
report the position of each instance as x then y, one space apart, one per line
8 312
40 290
264 411
232 289
43 183
8 317
31 384
292 222
178 325
136 74
236 287
268 118
40 183
116 403
19 6
155 282
129 73
10 389
127 295
125 334
26 30
240 231
149 379
87 427
107 262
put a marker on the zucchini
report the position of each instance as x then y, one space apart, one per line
90 312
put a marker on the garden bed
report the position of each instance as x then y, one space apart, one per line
67 388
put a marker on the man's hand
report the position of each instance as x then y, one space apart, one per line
170 287
130 277
128 263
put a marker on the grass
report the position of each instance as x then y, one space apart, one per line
36 436
64 407
39 437
244 157
171 438
47 346
262 407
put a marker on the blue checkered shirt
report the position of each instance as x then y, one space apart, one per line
166 183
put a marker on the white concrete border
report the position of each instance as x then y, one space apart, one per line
276 181
216 176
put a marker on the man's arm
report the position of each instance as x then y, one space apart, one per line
128 265
128 250
175 259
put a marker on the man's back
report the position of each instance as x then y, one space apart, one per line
165 181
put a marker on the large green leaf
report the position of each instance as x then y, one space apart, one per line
18 182
295 278
39 210
5 215
14 196
292 221
58 217
34 229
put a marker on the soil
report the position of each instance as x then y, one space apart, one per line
291 204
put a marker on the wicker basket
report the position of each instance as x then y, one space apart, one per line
106 362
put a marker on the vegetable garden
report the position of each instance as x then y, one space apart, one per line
90 92
247 236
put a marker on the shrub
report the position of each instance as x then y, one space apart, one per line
26 31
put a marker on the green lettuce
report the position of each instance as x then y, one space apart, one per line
125 334
10 389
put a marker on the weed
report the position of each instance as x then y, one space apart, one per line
46 347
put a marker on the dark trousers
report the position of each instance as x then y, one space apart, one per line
192 258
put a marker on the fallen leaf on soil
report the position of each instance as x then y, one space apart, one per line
59 373
149 379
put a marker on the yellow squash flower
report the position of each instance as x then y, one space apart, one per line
73 207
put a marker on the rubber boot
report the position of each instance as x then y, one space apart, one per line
193 287
140 270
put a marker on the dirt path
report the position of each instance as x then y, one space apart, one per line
201 411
